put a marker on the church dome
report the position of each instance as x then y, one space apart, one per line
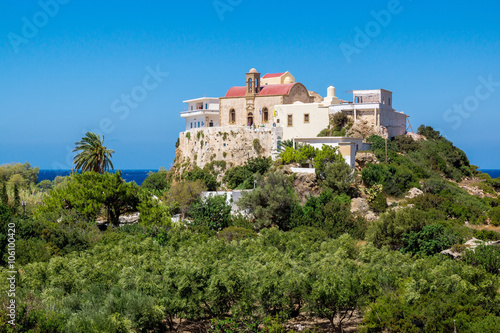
253 70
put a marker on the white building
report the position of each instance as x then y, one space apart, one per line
202 112
374 106
301 120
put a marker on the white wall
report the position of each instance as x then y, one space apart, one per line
318 119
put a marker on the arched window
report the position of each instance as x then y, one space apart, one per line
250 87
265 115
232 116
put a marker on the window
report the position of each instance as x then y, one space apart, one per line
211 123
232 116
306 118
191 108
202 124
290 120
265 115
277 121
198 124
206 106
191 125
250 88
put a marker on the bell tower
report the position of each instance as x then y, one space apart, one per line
253 82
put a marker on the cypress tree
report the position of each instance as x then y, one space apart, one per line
17 198
3 195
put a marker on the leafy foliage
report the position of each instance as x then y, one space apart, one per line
430 240
93 156
212 211
338 177
203 175
272 202
484 256
242 177
156 182
87 193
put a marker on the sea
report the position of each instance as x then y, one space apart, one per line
491 172
137 176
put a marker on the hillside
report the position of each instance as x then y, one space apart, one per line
329 250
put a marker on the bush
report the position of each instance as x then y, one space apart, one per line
272 202
239 177
406 143
203 175
339 120
379 204
391 226
156 181
212 212
494 215
430 240
236 233
338 177
484 256
487 235
429 132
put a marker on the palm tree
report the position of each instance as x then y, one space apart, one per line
93 156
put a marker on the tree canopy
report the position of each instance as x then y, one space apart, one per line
93 155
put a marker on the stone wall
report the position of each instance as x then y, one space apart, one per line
231 144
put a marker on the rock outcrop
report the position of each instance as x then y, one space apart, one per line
363 158
413 193
469 245
360 207
306 184
362 128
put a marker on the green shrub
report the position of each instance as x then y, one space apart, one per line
204 175
429 132
379 204
236 233
391 226
430 240
487 235
212 212
494 215
156 182
406 143
339 120
484 256
338 177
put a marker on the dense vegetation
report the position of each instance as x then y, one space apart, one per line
280 258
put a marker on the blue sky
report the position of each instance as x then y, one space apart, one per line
65 68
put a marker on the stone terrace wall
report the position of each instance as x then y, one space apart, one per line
231 144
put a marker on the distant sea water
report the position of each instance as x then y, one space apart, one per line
493 173
137 176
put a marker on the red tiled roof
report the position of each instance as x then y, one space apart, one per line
271 89
276 89
236 92
268 76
